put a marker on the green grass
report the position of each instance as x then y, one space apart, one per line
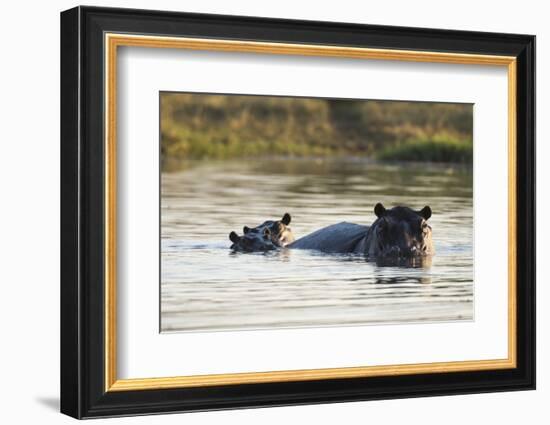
224 145
441 149
197 126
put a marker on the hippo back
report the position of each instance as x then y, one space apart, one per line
342 237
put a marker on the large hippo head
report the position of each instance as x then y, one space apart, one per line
279 231
400 232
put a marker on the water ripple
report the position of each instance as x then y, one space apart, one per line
206 287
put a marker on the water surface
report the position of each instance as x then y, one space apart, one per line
206 287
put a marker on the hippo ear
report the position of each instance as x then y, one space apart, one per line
286 219
246 229
233 237
379 210
425 212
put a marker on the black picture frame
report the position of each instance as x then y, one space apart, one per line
83 392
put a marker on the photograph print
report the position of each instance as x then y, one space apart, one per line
291 212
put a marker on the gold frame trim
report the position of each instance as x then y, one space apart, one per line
113 41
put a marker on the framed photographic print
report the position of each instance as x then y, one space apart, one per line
261 212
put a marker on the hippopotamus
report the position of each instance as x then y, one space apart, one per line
398 232
269 235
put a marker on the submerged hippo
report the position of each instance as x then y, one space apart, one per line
280 233
398 232
269 235
253 241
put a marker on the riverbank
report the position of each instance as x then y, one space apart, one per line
431 150
199 126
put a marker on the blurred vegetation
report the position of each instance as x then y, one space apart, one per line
199 126
438 149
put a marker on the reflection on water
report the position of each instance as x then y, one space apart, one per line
205 286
